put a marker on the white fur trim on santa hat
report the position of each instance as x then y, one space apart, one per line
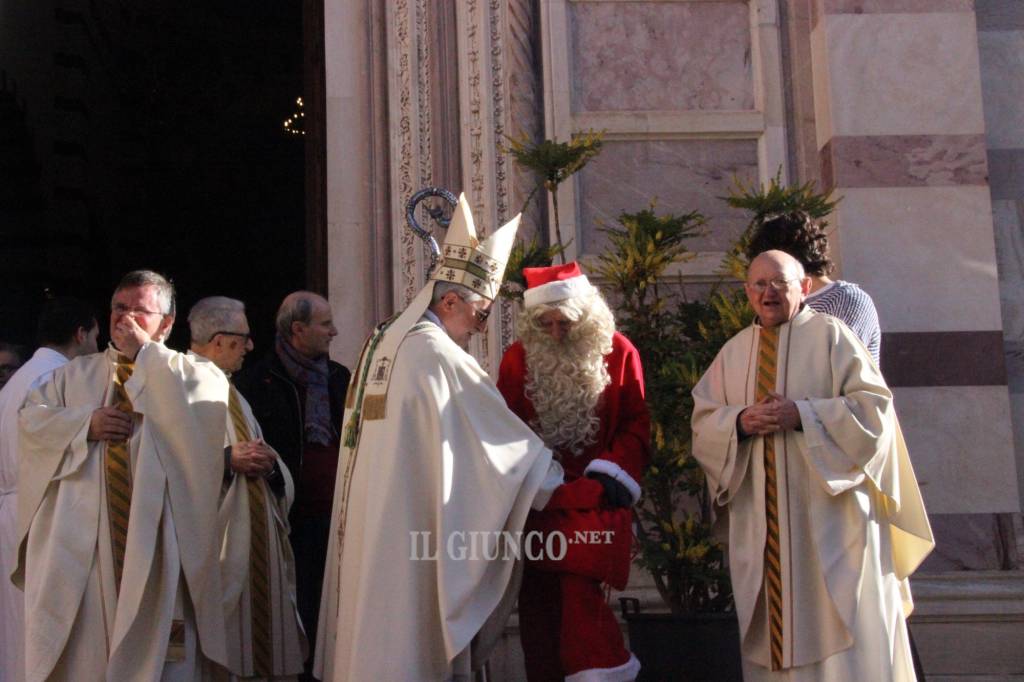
603 466
559 290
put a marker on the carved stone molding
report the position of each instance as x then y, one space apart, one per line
409 108
495 74
484 98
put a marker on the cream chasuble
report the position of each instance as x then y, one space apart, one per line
31 375
81 622
852 523
264 635
448 461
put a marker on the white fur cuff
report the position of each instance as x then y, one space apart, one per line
603 466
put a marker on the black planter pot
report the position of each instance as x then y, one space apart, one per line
693 648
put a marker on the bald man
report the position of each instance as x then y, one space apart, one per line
297 394
796 432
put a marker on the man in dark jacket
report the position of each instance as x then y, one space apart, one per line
297 394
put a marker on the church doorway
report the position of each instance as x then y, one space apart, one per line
146 135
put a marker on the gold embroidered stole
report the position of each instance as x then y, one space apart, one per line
118 473
767 361
259 553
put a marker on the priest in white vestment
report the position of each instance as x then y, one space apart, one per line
796 432
433 468
118 551
67 328
263 631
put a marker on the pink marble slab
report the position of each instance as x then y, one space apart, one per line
904 161
1007 173
970 542
646 56
999 15
682 175
896 6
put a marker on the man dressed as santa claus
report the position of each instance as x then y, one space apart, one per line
579 384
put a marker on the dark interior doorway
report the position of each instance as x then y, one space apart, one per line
151 135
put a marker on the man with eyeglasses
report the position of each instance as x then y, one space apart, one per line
264 635
796 432
434 468
804 238
118 524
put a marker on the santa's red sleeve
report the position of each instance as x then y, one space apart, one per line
628 450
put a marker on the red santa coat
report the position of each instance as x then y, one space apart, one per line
620 451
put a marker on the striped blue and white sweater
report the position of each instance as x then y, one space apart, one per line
852 305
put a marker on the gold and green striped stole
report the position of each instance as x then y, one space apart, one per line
767 361
117 466
259 554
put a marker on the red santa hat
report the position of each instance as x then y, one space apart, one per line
554 283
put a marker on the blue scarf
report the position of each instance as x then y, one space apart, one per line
311 374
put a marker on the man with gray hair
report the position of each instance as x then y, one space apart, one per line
264 635
432 459
118 542
297 394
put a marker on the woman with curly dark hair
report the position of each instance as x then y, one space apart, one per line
801 237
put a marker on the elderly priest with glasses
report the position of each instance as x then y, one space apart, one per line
263 633
796 432
434 467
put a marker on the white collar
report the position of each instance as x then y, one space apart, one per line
45 353
432 316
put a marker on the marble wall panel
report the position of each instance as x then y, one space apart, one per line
655 56
934 91
944 358
905 160
999 15
682 175
822 86
358 229
961 444
1002 86
966 542
1015 378
1008 218
926 255
1007 173
798 91
349 241
984 647
1017 411
895 6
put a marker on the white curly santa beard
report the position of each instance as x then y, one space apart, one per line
564 383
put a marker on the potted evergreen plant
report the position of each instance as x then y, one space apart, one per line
677 336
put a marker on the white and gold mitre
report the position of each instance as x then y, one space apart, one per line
477 265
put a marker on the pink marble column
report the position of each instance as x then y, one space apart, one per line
900 132
900 128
